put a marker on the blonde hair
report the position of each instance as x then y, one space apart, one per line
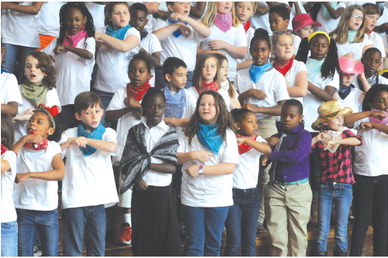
276 35
210 15
340 34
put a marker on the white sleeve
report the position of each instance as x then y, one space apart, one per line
110 135
182 139
281 92
12 89
230 153
240 37
91 45
10 156
117 101
50 48
64 137
154 44
335 81
52 99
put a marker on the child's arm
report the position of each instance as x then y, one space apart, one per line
84 53
163 168
202 29
324 95
177 122
212 170
166 31
29 138
381 127
272 111
11 108
5 166
34 8
349 120
244 65
300 87
131 104
364 81
24 117
254 93
198 10
334 13
259 146
201 156
155 57
235 52
81 141
351 141
125 45
55 174
300 151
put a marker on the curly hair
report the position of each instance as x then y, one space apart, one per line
46 65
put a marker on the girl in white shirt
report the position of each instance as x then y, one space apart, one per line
209 154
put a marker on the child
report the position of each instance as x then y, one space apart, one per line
147 163
73 52
88 149
125 108
39 165
334 146
241 223
372 14
328 14
371 174
350 33
116 47
175 44
372 60
227 35
289 196
37 88
9 225
302 25
208 151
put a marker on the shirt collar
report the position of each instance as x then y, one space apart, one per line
162 125
293 131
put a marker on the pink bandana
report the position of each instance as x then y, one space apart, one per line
377 121
223 21
72 40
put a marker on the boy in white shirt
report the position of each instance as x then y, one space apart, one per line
89 183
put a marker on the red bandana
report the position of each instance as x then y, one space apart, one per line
138 92
242 148
247 25
283 66
3 149
207 86
37 146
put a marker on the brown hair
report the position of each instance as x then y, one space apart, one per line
85 100
197 74
46 65
109 9
7 131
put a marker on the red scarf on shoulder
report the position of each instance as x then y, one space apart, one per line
3 149
283 66
138 92
242 147
207 86
247 25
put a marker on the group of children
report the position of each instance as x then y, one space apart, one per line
248 120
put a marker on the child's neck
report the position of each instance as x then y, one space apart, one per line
89 129
208 81
172 88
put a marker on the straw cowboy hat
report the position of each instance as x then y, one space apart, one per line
348 66
329 110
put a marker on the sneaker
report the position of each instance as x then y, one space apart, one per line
37 250
126 235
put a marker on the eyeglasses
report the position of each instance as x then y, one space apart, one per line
357 16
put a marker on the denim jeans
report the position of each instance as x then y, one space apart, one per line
46 223
9 239
89 221
241 223
204 228
341 195
13 54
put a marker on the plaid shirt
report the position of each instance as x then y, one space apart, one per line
337 166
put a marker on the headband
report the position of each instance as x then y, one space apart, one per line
50 112
316 33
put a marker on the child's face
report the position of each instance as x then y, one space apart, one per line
182 8
224 7
260 52
380 101
290 117
154 111
224 70
248 125
119 16
178 78
371 63
32 70
347 79
209 70
75 21
138 73
305 31
370 21
276 22
207 109
90 117
139 20
319 47
335 124
244 10
284 48
356 20
39 123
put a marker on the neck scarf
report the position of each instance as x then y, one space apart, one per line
207 86
209 137
314 68
247 25
37 146
3 70
135 161
3 149
377 121
175 103
72 40
35 93
223 21
351 35
118 34
283 66
256 72
95 134
176 33
242 147
138 92
344 91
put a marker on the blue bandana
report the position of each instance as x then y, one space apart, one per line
118 34
256 72
314 68
3 70
208 136
175 103
176 33
95 134
351 35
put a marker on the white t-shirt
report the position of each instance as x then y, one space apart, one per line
250 33
328 23
181 47
151 44
245 176
36 194
97 12
205 190
355 48
377 42
9 89
52 99
49 18
19 28
272 83
353 100
235 36
297 67
73 73
112 65
7 207
88 180
371 157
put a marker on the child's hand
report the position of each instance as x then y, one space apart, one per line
259 94
77 141
380 115
21 177
366 126
185 30
33 138
361 76
241 140
202 156
251 107
131 102
273 141
265 160
331 144
59 49
25 116
177 17
137 114
142 185
217 44
193 170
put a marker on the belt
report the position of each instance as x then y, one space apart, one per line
297 182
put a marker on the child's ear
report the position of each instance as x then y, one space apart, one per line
169 7
84 20
77 116
301 118
167 77
50 131
237 124
287 21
